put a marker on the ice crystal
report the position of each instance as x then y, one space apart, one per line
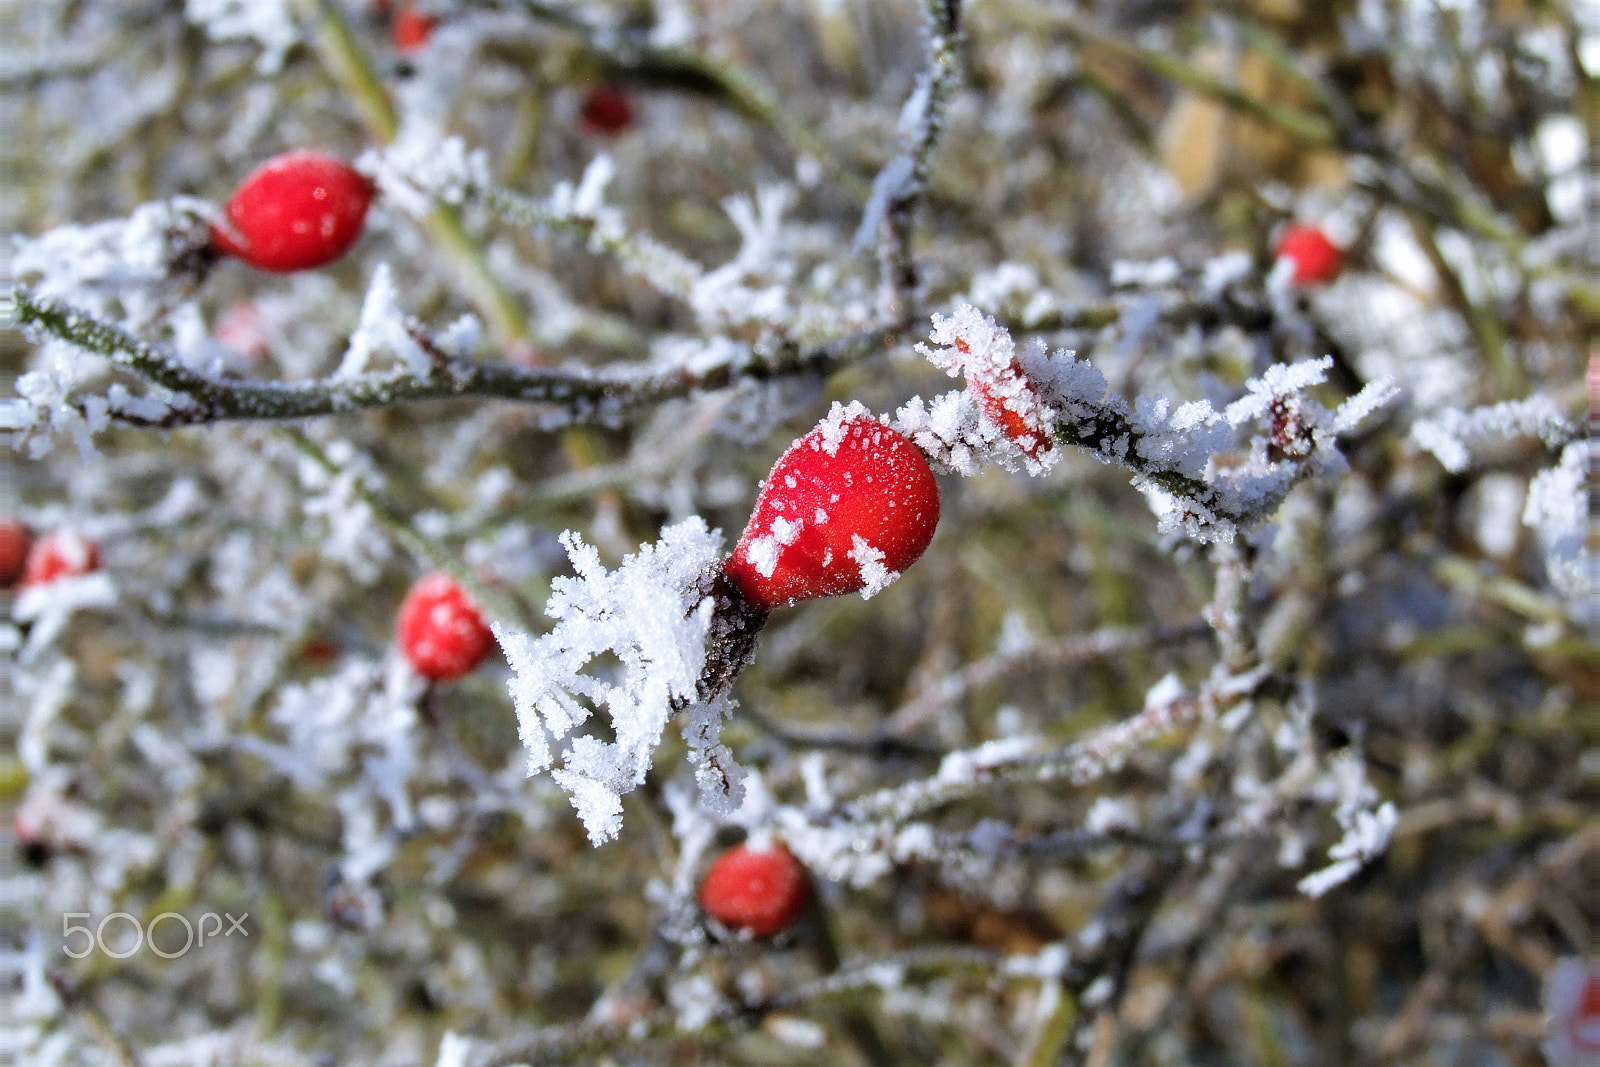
269 23
652 613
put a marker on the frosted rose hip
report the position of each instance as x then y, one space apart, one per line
14 538
759 890
847 508
1315 257
441 632
60 554
294 212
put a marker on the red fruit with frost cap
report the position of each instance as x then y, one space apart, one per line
1316 258
441 632
761 890
847 508
60 554
294 212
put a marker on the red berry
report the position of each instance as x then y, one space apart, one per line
606 111
60 554
411 30
847 508
14 538
759 890
441 632
294 212
1316 258
243 329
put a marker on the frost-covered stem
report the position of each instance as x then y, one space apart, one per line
348 64
1081 762
435 556
1485 327
668 270
1085 648
583 394
1227 608
863 1030
565 1043
908 172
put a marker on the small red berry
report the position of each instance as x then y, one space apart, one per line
606 111
1316 258
411 30
759 890
847 508
294 212
14 538
60 554
441 632
243 329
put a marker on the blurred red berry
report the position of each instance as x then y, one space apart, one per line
294 212
847 508
14 538
759 890
1316 258
441 632
243 330
411 30
60 554
606 111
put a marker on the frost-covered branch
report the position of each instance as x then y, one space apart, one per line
899 186
581 394
1019 403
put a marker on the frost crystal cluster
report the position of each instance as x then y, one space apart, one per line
652 615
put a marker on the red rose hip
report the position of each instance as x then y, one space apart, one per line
60 554
14 539
847 508
411 30
606 111
441 632
1316 259
294 212
759 890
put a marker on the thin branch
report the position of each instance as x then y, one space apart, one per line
1079 648
583 394
900 185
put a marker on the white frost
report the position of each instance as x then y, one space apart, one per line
653 616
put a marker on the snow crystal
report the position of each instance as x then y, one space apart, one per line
1558 510
120 263
875 577
951 432
831 430
1002 382
269 23
50 605
1013 289
422 166
653 615
382 329
1452 435
1367 825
